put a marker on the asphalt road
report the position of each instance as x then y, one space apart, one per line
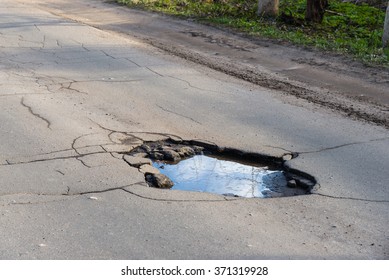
73 97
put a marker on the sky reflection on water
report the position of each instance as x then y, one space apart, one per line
207 174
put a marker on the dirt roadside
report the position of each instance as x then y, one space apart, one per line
341 84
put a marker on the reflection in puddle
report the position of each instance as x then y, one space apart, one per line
206 174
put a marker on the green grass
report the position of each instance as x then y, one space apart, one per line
349 29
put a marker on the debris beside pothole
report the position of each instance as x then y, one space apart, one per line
205 167
137 161
159 181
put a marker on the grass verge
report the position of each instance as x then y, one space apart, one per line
348 29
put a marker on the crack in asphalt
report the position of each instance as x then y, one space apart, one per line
296 154
181 80
108 81
40 81
343 145
65 150
20 94
79 157
180 200
69 87
32 203
190 85
78 138
136 63
48 123
111 153
83 46
36 26
111 133
68 83
21 39
108 55
51 159
76 151
122 188
131 133
82 162
350 198
44 42
15 61
60 172
189 118
70 149
280 148
155 72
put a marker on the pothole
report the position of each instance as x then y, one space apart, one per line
204 167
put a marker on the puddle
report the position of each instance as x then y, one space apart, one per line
203 167
208 174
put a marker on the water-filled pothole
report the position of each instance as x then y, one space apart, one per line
208 174
201 167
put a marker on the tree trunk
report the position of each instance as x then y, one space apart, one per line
268 7
315 10
385 36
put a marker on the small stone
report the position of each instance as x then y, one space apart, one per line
159 181
186 151
136 161
292 183
198 149
171 155
175 139
146 148
287 157
140 155
166 147
146 168
204 144
156 155
93 198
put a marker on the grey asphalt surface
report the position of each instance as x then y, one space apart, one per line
73 97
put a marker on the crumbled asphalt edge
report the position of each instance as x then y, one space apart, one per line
303 180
